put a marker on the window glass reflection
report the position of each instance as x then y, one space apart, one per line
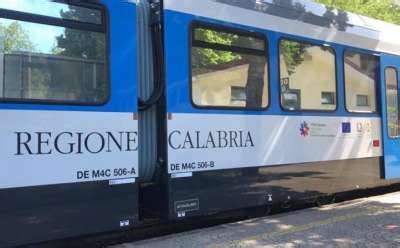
308 76
230 39
361 75
228 70
43 62
392 102
53 9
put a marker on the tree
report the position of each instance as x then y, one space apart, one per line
81 44
384 10
90 48
14 38
205 60
207 57
293 54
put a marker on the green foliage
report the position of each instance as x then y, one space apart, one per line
205 57
215 37
393 123
15 38
383 10
85 45
293 54
77 43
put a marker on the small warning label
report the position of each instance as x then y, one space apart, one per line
187 205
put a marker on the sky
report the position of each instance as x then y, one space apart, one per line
44 7
43 36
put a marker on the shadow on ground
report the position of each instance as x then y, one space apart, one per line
368 222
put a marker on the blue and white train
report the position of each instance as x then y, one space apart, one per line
187 108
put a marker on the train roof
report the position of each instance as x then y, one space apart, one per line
299 17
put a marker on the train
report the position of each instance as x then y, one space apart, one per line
113 112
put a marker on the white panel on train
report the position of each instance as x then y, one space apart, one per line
66 147
214 142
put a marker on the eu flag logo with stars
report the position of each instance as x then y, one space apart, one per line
346 127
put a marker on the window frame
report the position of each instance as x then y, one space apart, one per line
72 24
377 81
314 43
222 28
367 102
398 102
334 98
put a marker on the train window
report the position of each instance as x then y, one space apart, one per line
328 98
361 75
362 101
49 59
229 68
392 102
308 76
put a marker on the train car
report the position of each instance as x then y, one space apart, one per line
69 125
187 108
275 101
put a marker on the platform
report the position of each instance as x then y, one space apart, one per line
367 222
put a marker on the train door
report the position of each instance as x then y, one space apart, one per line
390 66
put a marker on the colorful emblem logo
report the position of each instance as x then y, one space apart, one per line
304 129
